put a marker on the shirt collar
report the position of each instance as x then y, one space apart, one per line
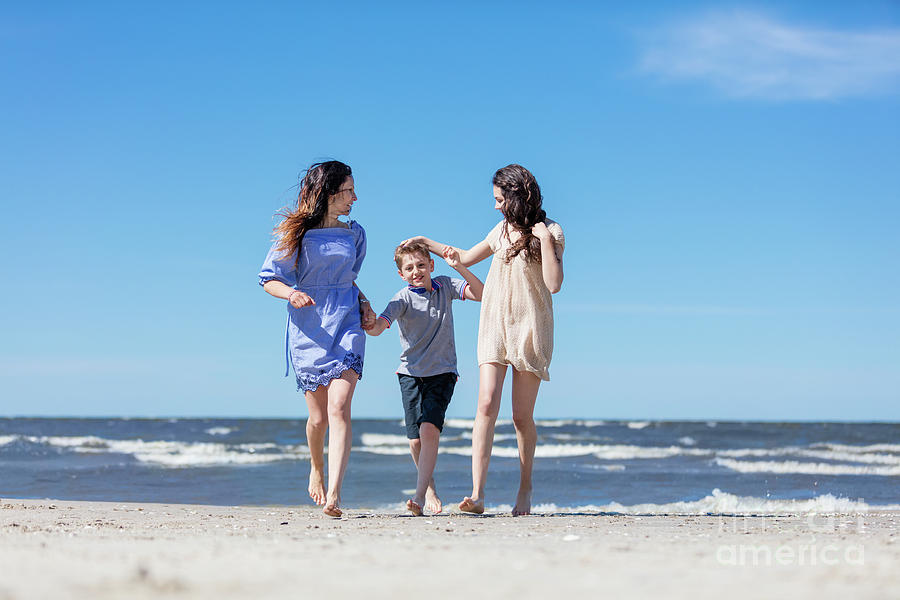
435 285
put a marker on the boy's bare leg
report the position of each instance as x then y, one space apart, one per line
524 394
432 500
340 395
316 427
430 439
490 384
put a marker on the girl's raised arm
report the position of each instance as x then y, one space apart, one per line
551 258
475 254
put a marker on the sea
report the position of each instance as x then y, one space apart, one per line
639 467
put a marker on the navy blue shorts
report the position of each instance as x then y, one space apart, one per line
425 400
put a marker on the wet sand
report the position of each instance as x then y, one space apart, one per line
65 549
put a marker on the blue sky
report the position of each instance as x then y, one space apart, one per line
727 177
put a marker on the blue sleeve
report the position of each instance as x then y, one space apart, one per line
394 310
459 288
279 266
360 247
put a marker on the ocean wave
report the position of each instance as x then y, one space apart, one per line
716 503
638 424
687 441
843 459
176 454
626 452
470 423
868 448
568 423
720 502
219 430
601 451
384 439
542 451
804 468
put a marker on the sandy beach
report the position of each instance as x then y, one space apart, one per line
66 549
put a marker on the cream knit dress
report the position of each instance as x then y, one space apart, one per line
516 325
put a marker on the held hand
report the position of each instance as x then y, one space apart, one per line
540 231
300 299
366 315
451 255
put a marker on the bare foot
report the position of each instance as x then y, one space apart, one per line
432 502
471 505
331 507
414 507
523 504
316 485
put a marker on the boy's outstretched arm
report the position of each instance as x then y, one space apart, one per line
378 328
475 287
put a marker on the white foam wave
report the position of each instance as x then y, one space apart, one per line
568 423
626 452
687 441
717 503
85 443
178 454
868 448
638 424
7 439
219 430
881 459
601 451
498 437
804 468
385 439
470 423
720 502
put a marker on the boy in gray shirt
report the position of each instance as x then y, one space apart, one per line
427 369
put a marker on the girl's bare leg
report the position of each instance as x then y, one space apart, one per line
316 427
524 393
490 385
340 438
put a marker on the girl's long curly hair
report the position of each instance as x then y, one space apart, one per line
522 209
322 180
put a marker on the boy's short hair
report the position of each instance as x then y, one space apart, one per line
410 248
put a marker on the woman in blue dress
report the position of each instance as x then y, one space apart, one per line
313 265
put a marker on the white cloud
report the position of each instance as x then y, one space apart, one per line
748 55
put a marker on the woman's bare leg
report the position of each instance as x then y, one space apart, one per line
316 426
524 394
490 385
340 437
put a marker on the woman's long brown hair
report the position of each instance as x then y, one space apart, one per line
322 180
522 209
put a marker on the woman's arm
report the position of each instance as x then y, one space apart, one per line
551 263
467 258
366 314
281 290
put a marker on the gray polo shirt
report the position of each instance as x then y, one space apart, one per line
425 321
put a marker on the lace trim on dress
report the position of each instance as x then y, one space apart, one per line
310 383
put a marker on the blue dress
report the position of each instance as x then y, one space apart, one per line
326 339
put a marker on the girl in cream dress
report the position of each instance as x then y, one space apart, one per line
516 325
